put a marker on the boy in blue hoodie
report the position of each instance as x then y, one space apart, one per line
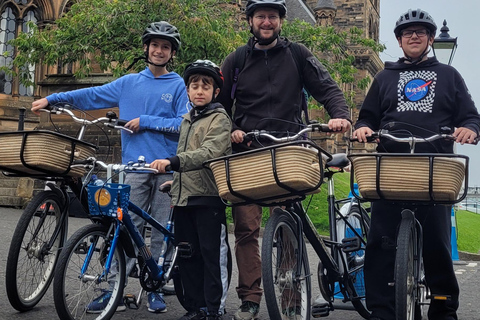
153 101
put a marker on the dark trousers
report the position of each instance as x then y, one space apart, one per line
380 259
205 274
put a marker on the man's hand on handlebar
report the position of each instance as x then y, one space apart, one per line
39 104
160 165
362 133
339 125
464 135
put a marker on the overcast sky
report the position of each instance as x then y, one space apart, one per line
463 20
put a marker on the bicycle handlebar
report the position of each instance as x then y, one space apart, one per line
139 166
314 127
384 133
109 120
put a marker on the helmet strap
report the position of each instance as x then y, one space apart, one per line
154 64
418 60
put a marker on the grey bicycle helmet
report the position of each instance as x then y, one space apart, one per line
162 30
415 17
253 5
205 67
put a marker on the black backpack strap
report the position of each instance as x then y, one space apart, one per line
239 62
300 62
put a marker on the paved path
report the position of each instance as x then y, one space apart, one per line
468 276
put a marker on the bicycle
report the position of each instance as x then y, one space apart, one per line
91 253
282 175
423 183
42 229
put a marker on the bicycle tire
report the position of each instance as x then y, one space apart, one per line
356 259
286 294
73 292
404 271
30 265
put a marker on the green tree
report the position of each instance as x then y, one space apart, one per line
108 33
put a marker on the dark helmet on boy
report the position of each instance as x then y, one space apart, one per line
162 30
253 5
415 17
205 67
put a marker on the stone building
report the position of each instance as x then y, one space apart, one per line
14 15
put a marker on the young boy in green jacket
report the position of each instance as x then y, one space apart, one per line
199 213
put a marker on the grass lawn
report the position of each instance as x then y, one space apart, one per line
468 231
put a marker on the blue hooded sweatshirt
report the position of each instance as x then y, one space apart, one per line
159 102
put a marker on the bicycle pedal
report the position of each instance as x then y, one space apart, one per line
320 310
351 244
442 297
130 301
185 250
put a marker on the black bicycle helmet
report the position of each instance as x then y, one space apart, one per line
205 67
415 17
162 30
253 5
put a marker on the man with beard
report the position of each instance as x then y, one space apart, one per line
267 94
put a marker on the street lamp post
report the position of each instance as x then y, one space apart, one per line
444 46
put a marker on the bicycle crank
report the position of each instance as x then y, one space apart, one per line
147 281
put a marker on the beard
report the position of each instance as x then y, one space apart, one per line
265 41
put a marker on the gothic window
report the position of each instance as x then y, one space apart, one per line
14 16
7 32
23 90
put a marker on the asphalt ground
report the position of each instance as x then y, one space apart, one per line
467 273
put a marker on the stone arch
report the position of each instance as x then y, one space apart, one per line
46 11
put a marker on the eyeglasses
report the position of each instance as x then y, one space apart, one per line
409 33
270 18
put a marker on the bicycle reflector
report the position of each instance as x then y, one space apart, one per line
105 200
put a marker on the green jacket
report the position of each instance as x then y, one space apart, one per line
202 137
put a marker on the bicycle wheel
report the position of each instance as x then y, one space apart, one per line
79 281
31 262
358 225
287 294
404 271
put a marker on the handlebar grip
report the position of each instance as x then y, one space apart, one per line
321 127
168 168
121 122
371 138
247 138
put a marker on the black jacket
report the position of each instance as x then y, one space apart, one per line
270 86
429 96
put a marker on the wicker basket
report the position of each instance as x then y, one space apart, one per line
407 178
42 153
251 176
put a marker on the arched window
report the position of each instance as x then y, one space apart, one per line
7 32
14 17
22 90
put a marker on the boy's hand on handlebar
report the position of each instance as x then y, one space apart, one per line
133 125
362 133
39 104
339 125
237 136
160 165
464 135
